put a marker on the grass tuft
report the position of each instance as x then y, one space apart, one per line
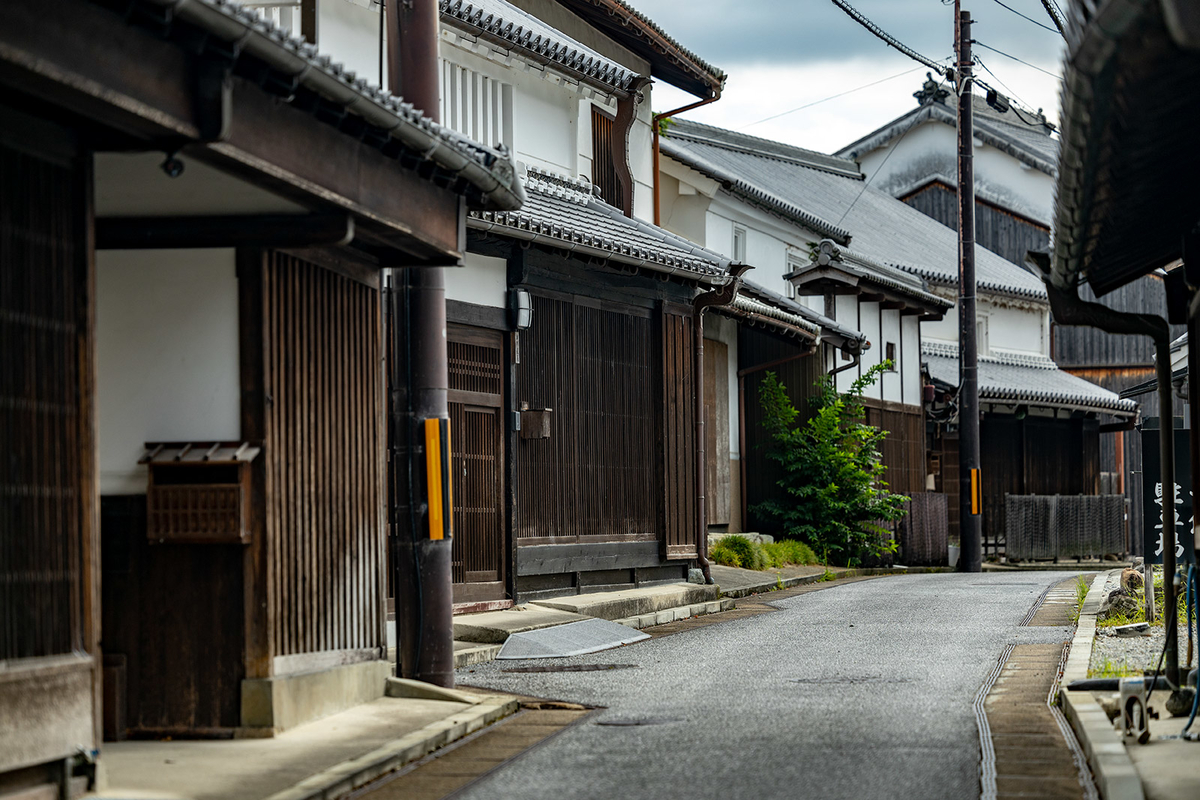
738 551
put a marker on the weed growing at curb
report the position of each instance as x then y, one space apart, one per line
1081 590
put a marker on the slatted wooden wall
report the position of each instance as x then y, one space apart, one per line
323 449
595 477
1005 234
903 450
43 402
679 430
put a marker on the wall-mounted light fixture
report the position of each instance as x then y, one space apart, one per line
520 307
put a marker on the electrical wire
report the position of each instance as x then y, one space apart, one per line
1031 19
1014 58
831 97
888 39
1008 94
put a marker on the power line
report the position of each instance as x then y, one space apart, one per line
1031 19
1014 58
831 97
1010 93
889 39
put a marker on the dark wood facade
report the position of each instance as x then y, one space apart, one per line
1007 234
49 626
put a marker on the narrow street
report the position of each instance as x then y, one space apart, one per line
855 691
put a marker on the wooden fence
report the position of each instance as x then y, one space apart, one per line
1063 526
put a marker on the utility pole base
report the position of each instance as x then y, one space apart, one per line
425 611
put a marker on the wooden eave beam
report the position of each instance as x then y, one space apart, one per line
250 230
109 76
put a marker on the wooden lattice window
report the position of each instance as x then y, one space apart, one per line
604 163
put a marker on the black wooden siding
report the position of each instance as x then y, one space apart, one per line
1005 234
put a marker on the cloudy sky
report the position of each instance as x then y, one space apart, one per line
783 54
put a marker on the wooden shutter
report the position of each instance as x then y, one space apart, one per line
604 165
679 430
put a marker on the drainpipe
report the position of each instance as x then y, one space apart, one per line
718 297
1069 309
655 121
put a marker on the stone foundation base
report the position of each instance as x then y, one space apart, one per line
276 704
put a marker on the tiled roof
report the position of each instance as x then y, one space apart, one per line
669 59
564 213
831 330
1013 378
505 22
1029 142
490 172
892 278
881 227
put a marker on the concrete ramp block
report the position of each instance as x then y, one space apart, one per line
633 602
576 638
420 690
493 627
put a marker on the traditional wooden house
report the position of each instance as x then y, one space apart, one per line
766 203
913 158
881 266
196 212
573 357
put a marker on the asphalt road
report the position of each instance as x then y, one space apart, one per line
863 690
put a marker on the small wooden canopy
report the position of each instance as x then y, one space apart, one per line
208 453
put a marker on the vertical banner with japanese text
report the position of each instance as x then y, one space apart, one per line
1154 495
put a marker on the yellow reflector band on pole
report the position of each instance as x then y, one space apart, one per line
433 477
975 498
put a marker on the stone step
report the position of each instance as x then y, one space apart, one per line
653 618
637 602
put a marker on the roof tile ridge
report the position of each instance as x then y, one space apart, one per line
578 191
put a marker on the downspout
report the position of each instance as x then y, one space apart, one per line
718 297
1069 309
655 121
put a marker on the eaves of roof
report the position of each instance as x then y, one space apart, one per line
669 60
505 24
760 197
895 279
1033 380
563 213
489 173
1125 195
987 131
832 332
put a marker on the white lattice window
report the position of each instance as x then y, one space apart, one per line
476 105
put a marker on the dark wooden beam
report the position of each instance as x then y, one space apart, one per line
116 79
250 230
893 304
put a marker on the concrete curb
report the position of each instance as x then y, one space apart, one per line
802 580
674 614
350 775
1111 766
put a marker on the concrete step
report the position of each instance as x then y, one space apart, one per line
678 613
637 602
494 627
467 654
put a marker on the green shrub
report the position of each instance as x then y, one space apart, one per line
834 496
787 552
738 551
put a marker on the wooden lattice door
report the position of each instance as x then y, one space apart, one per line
477 453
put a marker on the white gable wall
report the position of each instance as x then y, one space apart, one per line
929 149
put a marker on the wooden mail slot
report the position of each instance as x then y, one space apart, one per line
198 492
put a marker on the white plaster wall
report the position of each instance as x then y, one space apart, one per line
641 158
132 184
724 329
891 387
348 32
868 323
683 214
910 376
846 312
930 149
482 280
166 355
1016 330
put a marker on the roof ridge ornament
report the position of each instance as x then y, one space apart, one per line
930 92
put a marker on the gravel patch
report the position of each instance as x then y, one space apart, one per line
1136 653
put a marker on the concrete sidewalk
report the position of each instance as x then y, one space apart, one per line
323 759
736 582
1162 769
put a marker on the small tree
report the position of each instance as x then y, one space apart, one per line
834 495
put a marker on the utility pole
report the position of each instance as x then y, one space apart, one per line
970 487
419 419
